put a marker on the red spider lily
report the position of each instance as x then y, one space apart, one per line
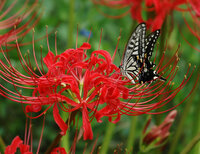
196 6
17 143
12 25
157 10
59 150
25 148
73 81
195 28
157 135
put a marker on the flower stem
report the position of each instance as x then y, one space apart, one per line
196 122
107 138
180 125
71 24
189 147
2 145
65 139
131 136
56 141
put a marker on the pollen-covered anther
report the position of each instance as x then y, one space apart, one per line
55 79
195 66
172 83
185 76
189 64
20 91
34 68
177 67
170 66
145 55
33 29
63 84
137 57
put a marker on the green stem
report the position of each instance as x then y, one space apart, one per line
163 37
158 117
107 138
131 136
65 139
189 147
2 145
196 121
71 24
58 138
180 126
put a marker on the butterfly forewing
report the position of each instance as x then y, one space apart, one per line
136 43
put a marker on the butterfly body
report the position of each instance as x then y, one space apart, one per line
136 62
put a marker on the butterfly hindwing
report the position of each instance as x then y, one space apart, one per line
150 42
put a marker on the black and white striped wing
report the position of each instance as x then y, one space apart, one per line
134 48
135 44
150 42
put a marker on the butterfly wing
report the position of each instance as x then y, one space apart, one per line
147 74
135 44
133 51
150 42
136 62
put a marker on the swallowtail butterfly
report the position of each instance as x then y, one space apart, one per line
136 62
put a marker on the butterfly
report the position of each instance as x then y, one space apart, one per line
136 62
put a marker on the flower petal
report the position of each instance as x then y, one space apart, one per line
11 149
59 121
88 134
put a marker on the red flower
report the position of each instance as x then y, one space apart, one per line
17 143
157 9
157 135
196 6
59 150
93 85
25 148
13 24
194 27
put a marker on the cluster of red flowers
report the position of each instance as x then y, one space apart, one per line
157 10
